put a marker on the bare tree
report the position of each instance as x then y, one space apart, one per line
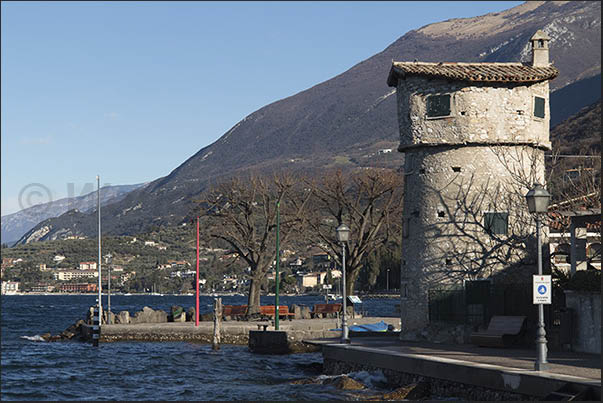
243 214
368 201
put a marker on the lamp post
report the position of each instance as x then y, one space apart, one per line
343 235
538 202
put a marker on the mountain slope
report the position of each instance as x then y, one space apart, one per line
345 120
15 225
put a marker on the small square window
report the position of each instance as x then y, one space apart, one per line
539 107
456 169
496 223
438 105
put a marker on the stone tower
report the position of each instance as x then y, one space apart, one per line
473 136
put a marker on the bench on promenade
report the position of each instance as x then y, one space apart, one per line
322 310
234 310
502 331
270 310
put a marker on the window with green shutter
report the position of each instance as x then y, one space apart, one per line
496 223
438 105
539 107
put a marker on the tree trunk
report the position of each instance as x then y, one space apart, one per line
350 280
253 300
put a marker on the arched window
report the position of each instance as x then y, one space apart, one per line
593 252
562 253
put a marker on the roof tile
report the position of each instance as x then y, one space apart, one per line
474 72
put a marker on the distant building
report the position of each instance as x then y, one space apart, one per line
8 262
315 278
10 287
64 275
149 243
58 258
87 265
43 287
78 287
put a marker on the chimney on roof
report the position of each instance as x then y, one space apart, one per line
540 49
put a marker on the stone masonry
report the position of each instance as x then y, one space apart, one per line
467 164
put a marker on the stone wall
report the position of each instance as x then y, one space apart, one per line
437 388
586 321
481 113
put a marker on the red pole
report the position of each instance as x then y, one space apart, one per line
197 282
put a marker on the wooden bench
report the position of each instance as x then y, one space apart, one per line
320 310
234 310
270 310
502 331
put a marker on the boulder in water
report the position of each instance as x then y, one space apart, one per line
344 382
123 318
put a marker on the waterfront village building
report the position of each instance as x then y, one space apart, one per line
473 137
78 287
87 265
63 275
10 287
315 278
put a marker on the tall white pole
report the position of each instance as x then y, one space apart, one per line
100 286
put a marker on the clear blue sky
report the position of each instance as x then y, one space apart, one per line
130 90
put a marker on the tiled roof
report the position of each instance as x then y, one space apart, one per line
476 72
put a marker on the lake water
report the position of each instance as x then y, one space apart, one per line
72 370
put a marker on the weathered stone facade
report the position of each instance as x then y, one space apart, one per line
471 164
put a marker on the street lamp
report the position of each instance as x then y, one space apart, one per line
538 202
343 235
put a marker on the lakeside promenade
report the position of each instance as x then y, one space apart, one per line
474 372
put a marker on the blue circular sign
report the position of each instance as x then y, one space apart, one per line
541 289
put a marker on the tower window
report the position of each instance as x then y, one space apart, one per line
496 223
438 106
539 107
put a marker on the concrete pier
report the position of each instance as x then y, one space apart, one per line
233 332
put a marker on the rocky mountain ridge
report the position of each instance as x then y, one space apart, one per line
15 225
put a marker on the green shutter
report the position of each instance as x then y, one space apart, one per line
438 105
539 107
496 223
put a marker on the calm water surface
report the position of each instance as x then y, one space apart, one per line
149 371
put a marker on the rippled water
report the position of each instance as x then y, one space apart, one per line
33 370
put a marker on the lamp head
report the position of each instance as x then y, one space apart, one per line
538 199
343 233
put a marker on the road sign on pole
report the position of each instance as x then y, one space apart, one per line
542 289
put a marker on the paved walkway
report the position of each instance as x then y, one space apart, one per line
497 368
565 363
